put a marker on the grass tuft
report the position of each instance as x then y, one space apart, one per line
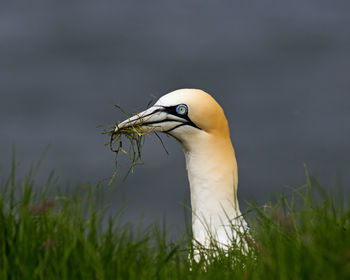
134 136
46 233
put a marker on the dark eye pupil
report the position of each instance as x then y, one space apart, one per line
181 109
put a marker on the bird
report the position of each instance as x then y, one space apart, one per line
196 120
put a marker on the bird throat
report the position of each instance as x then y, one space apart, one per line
212 173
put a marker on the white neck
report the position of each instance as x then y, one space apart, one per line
212 173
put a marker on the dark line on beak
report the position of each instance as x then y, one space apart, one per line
161 121
182 124
169 110
172 111
142 117
155 111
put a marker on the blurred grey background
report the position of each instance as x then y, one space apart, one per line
280 69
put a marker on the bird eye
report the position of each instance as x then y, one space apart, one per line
181 109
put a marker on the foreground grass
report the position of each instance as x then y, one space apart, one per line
302 235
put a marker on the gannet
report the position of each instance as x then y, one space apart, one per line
198 123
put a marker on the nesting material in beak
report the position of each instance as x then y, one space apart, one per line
132 130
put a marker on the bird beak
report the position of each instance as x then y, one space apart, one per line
154 117
157 118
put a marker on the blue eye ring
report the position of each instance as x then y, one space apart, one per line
181 109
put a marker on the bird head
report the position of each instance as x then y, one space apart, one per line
183 114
